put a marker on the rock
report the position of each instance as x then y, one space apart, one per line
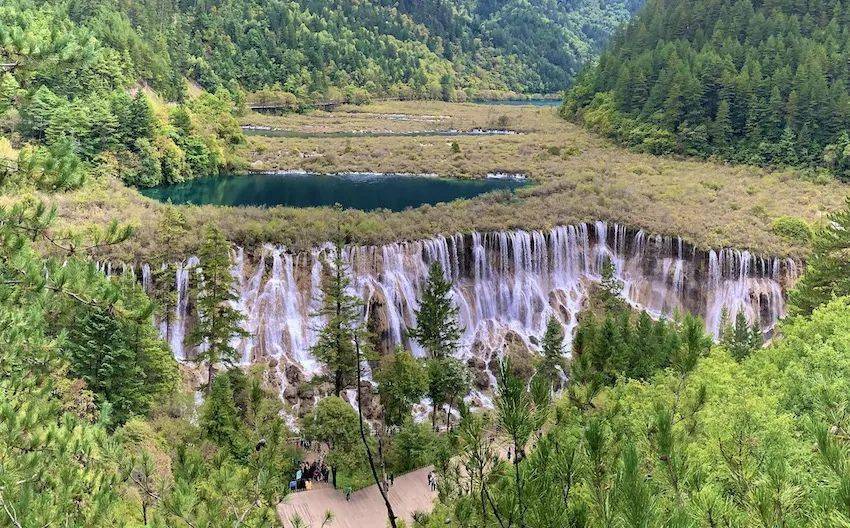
306 391
293 374
481 380
290 394
378 325
480 377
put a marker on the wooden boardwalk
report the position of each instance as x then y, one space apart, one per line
409 494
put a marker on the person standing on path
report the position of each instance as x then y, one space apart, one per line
348 494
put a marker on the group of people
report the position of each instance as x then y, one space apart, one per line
317 471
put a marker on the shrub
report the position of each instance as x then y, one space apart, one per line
792 228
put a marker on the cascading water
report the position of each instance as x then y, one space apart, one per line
506 285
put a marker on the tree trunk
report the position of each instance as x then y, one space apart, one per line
433 415
381 456
520 501
390 513
483 499
338 382
210 374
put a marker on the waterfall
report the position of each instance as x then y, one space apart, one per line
505 284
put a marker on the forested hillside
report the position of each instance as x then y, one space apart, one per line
71 106
386 47
100 86
761 82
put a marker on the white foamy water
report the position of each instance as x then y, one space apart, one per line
506 285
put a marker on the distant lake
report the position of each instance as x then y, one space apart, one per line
523 102
276 132
352 190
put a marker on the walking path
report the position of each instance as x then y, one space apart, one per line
409 494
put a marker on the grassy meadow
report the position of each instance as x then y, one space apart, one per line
578 177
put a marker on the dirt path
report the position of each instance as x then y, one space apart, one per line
409 494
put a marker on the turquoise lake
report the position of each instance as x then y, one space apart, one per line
367 192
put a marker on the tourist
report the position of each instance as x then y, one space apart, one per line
392 479
348 494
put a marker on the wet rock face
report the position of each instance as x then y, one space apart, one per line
479 370
506 286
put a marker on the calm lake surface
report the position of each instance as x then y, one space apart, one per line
358 191
276 132
524 102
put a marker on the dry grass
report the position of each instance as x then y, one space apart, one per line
579 177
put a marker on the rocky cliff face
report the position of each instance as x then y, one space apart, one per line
506 285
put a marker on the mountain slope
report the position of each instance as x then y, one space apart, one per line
409 48
760 82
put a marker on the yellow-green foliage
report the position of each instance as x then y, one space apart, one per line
792 228
751 443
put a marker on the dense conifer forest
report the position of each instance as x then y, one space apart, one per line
435 48
761 82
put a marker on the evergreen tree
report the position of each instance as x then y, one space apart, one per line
219 418
342 313
172 230
219 323
437 329
828 270
553 365
121 361
438 332
140 118
611 288
721 132
741 71
520 412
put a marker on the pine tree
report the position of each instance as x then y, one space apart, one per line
647 352
740 338
828 270
219 323
438 332
140 122
343 315
521 411
553 364
611 288
9 89
437 329
121 361
219 418
172 229
721 132
787 147
773 120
